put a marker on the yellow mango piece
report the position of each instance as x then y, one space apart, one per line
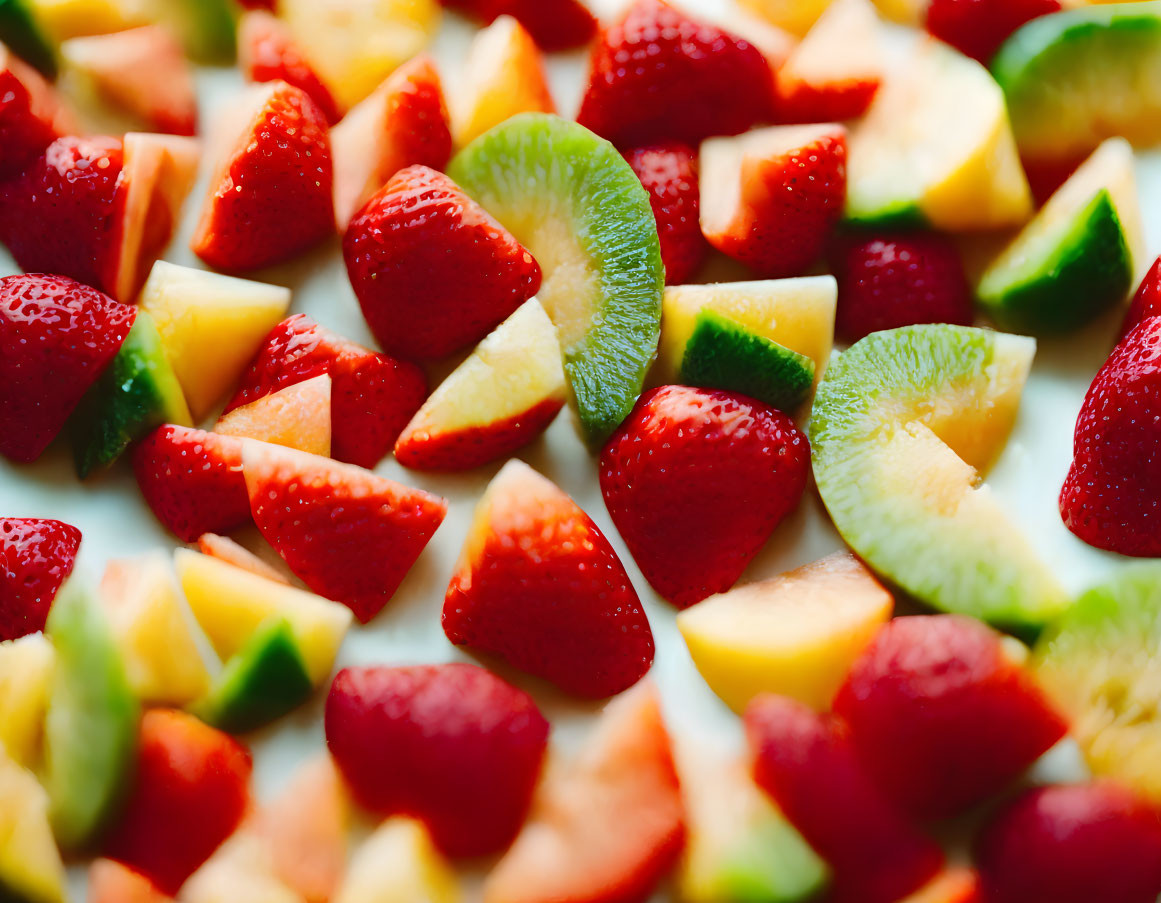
298 416
795 16
30 865
399 864
64 19
25 677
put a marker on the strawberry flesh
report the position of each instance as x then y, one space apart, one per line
31 116
268 53
36 556
669 173
1146 302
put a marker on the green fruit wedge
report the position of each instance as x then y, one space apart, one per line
1074 78
572 200
206 27
902 424
91 726
1101 665
1075 259
724 354
137 393
20 33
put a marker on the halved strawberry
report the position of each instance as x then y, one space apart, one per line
348 534
1146 302
555 24
36 556
669 173
538 584
192 480
434 272
267 52
270 195
32 116
373 396
657 74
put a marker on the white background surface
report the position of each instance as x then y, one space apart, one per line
115 522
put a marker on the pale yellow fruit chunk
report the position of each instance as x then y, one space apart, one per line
298 416
25 677
31 870
399 864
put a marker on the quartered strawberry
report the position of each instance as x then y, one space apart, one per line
348 534
267 52
656 74
373 396
36 556
898 279
434 272
31 115
1146 302
1112 495
539 585
979 27
270 196
696 481
452 745
192 480
669 173
555 24
56 337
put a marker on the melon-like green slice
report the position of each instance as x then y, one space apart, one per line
30 866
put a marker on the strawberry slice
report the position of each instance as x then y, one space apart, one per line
555 24
1146 302
434 272
349 535
669 173
538 584
32 116
270 196
192 480
36 556
373 396
979 27
657 74
696 481
56 338
267 52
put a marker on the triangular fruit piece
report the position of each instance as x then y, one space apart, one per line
25 677
143 71
232 604
112 882
504 76
30 864
234 553
399 864
298 416
404 122
796 635
348 534
274 147
267 52
153 630
502 397
609 824
211 326
240 869
34 116
529 543
36 557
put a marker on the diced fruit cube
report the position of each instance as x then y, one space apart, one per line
669 173
36 557
32 115
31 870
25 679
231 552
298 416
398 864
267 52
112 882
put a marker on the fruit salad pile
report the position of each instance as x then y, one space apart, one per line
934 194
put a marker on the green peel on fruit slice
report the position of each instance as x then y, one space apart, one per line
91 726
570 198
902 425
20 33
1074 78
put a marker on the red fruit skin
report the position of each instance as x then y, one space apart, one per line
1146 302
56 338
190 792
979 27
452 745
669 173
898 279
270 199
696 481
1112 494
802 102
192 481
553 24
36 557
806 762
433 271
31 116
1072 844
940 717
656 74
267 52
373 396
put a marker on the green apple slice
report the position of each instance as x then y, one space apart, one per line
31 870
22 34
903 422
572 200
1076 258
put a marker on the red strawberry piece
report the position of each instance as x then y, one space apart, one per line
657 74
979 27
941 716
189 793
554 24
433 271
1146 302
696 481
373 396
1112 494
1072 844
539 585
56 337
36 556
892 280
267 52
669 174
257 4
31 115
452 745
349 535
807 764
192 480
270 196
